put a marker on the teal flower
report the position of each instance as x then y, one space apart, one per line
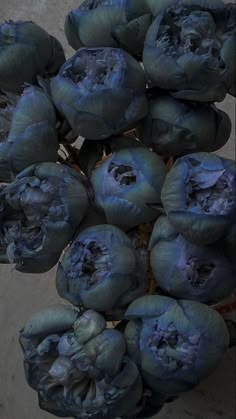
175 343
126 184
101 270
78 366
32 137
185 270
189 50
26 51
101 92
174 128
112 23
199 196
44 206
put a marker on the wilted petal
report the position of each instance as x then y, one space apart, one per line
56 318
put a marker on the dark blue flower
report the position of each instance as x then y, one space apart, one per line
26 51
78 366
109 23
32 136
44 206
189 50
173 127
175 343
101 270
199 196
126 184
185 270
101 92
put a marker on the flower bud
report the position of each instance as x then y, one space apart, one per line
101 92
27 51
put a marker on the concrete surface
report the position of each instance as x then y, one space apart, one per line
21 295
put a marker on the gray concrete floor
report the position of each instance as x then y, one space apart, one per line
21 295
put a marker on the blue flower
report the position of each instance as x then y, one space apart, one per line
101 270
185 270
175 343
109 23
173 127
32 136
126 184
101 92
199 196
78 366
26 51
44 206
189 50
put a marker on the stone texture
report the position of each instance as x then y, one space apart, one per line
21 295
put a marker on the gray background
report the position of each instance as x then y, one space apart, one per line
21 295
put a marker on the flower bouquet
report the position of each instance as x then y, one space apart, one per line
138 216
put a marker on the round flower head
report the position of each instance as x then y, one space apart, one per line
126 184
175 343
185 270
108 23
32 136
101 270
45 204
26 51
186 53
173 127
199 196
78 366
101 92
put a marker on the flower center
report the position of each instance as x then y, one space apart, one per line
209 191
36 205
95 69
173 349
185 32
197 272
90 261
123 174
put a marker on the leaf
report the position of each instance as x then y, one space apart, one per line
89 154
158 207
231 326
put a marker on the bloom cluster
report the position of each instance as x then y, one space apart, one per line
140 218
